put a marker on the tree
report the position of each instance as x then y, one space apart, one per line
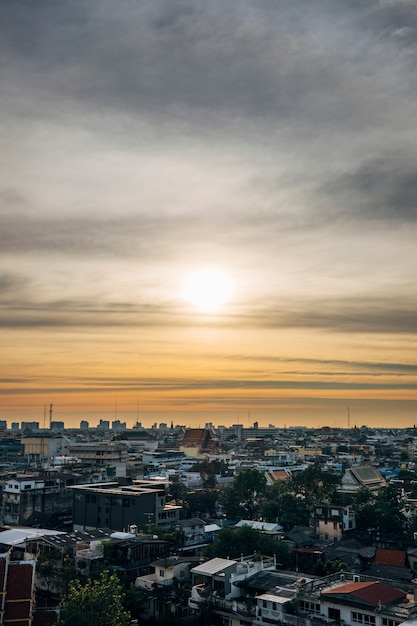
242 498
287 509
97 603
233 542
202 502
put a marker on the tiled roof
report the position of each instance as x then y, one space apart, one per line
390 557
369 593
367 475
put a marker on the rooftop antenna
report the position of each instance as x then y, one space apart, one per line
50 414
348 413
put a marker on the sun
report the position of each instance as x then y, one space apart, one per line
208 289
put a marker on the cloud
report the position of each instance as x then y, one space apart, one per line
379 189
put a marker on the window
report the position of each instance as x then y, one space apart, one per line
389 622
79 497
363 618
264 604
310 607
162 573
334 614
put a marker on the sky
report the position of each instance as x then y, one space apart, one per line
209 211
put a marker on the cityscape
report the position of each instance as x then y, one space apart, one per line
222 525
208 329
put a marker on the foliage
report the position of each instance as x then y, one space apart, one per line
242 498
325 568
382 512
202 502
208 471
97 603
315 485
286 508
177 491
233 542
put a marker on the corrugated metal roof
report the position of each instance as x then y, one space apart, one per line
214 566
17 536
287 595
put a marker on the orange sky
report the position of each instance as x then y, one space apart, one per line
273 143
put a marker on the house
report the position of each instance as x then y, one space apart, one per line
356 600
333 522
193 532
222 577
166 571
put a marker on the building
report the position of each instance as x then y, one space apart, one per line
332 522
118 507
17 595
364 477
25 495
99 455
194 533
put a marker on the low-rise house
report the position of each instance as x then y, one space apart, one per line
222 577
333 522
193 532
355 600
167 571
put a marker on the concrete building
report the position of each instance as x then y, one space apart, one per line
27 494
333 522
118 507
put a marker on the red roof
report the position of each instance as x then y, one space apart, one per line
390 557
371 593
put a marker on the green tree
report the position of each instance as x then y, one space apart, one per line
97 603
233 542
315 485
243 497
202 502
383 511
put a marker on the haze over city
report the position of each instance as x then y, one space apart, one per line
208 211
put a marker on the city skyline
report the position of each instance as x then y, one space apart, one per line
209 211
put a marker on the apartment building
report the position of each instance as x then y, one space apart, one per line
115 506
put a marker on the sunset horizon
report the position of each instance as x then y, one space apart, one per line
209 211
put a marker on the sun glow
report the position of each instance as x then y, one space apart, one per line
208 290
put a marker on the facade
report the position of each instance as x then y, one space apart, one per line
99 454
332 522
193 532
348 599
17 591
110 505
24 496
